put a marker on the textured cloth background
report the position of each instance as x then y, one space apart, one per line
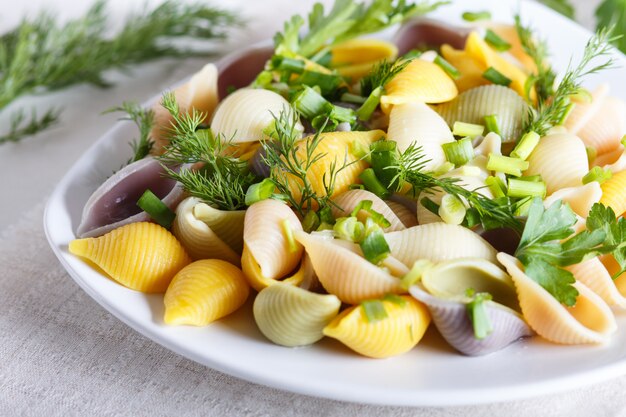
61 354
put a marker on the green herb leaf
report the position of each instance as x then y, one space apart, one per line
374 310
562 6
612 13
555 280
144 119
603 218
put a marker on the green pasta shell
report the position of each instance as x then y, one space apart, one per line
473 105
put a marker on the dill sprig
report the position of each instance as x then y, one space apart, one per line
410 169
41 55
381 74
144 119
289 168
22 126
553 112
221 180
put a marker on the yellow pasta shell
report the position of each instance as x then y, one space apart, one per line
419 81
589 321
614 193
400 332
594 275
470 68
333 148
142 256
255 277
509 34
355 58
203 292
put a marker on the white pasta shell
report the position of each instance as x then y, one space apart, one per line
200 241
344 273
580 198
403 213
228 225
347 202
438 242
473 105
265 239
561 160
594 275
491 144
291 316
589 321
416 123
243 115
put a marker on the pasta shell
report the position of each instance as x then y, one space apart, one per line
333 148
589 321
606 128
243 115
203 292
356 57
228 225
291 316
267 251
198 238
473 105
595 276
420 81
348 201
199 93
344 273
509 34
561 160
613 269
141 256
402 212
451 319
258 281
400 332
438 242
470 68
580 198
613 194
491 144
417 124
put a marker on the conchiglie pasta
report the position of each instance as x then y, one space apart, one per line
613 193
589 321
420 81
417 124
291 316
403 213
356 57
398 333
594 275
347 202
142 256
580 198
560 159
333 148
344 273
509 34
203 292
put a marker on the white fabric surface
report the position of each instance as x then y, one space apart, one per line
61 354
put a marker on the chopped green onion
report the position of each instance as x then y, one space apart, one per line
356 187
430 205
366 206
597 174
496 77
260 191
352 98
264 79
474 16
477 313
496 186
591 154
459 152
582 96
531 178
526 145
289 65
447 67
565 114
395 299
309 103
412 54
496 42
156 209
520 188
349 228
523 206
467 129
508 165
374 245
491 122
311 221
326 215
468 171
416 272
623 141
374 310
451 210
371 103
360 151
371 182
443 168
288 232
327 83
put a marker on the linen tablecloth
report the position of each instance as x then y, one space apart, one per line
61 354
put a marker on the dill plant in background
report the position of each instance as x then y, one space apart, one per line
42 55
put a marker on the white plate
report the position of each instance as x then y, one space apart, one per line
431 374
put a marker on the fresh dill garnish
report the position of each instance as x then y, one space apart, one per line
289 168
553 112
42 55
381 74
221 180
21 126
492 213
144 119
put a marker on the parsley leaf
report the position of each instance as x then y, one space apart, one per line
602 218
562 6
613 13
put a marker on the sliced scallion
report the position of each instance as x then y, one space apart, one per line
597 174
309 102
451 210
496 42
459 152
156 209
526 145
311 221
519 188
376 217
349 228
496 186
496 77
371 103
371 182
416 272
447 67
508 165
260 191
395 299
477 313
352 98
467 129
374 310
475 16
374 245
491 122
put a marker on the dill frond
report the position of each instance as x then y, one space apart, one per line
22 126
144 119
381 74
